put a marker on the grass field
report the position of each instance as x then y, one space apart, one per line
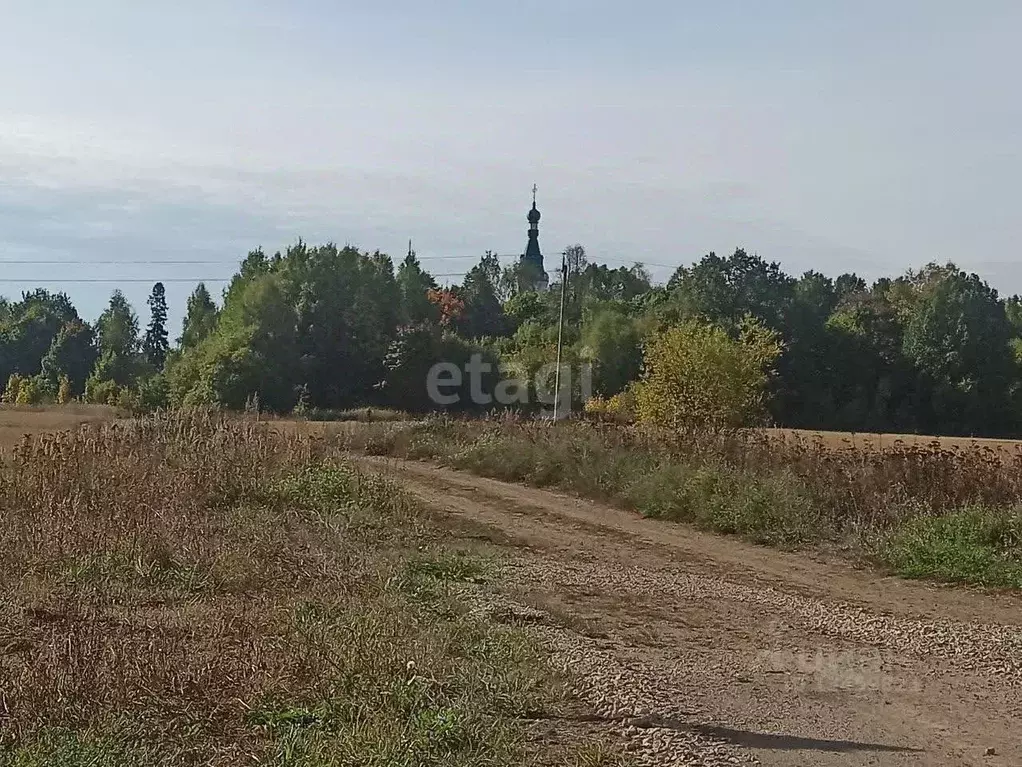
18 420
202 590
844 440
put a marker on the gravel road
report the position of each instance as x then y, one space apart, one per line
698 649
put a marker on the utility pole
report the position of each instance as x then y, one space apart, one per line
560 333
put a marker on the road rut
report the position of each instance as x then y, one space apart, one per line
708 650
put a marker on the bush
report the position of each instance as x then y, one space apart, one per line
30 392
619 408
127 399
697 375
101 391
153 394
13 388
64 395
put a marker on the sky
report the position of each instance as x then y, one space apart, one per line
870 137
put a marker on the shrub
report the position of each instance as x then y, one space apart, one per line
101 392
64 395
128 399
695 374
13 388
30 392
619 408
153 394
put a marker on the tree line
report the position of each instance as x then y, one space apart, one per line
935 350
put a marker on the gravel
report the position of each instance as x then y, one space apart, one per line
636 697
990 649
634 700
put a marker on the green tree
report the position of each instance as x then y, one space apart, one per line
72 354
318 317
200 318
28 328
724 290
348 308
155 345
802 388
848 285
117 328
254 351
958 337
414 350
525 307
601 283
484 315
120 358
414 284
868 382
612 343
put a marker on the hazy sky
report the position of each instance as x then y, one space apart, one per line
867 136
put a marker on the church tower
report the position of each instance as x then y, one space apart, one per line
533 258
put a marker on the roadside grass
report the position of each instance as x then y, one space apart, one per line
200 590
922 511
974 545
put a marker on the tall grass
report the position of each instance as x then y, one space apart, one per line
895 505
201 590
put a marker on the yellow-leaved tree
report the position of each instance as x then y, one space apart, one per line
696 375
13 388
64 394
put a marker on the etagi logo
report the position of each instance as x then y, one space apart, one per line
552 388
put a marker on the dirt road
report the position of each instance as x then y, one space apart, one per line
706 650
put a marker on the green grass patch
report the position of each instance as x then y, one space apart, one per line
360 414
975 545
449 566
64 747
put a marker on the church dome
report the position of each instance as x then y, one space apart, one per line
534 215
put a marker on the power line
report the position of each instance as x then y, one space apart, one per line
117 263
211 262
60 280
176 262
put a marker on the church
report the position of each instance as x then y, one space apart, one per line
532 272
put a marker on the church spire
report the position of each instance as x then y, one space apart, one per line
532 251
533 256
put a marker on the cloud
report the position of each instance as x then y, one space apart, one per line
144 132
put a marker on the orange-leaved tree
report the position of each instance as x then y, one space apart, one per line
449 303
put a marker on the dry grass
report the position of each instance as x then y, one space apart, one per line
18 420
842 440
203 590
